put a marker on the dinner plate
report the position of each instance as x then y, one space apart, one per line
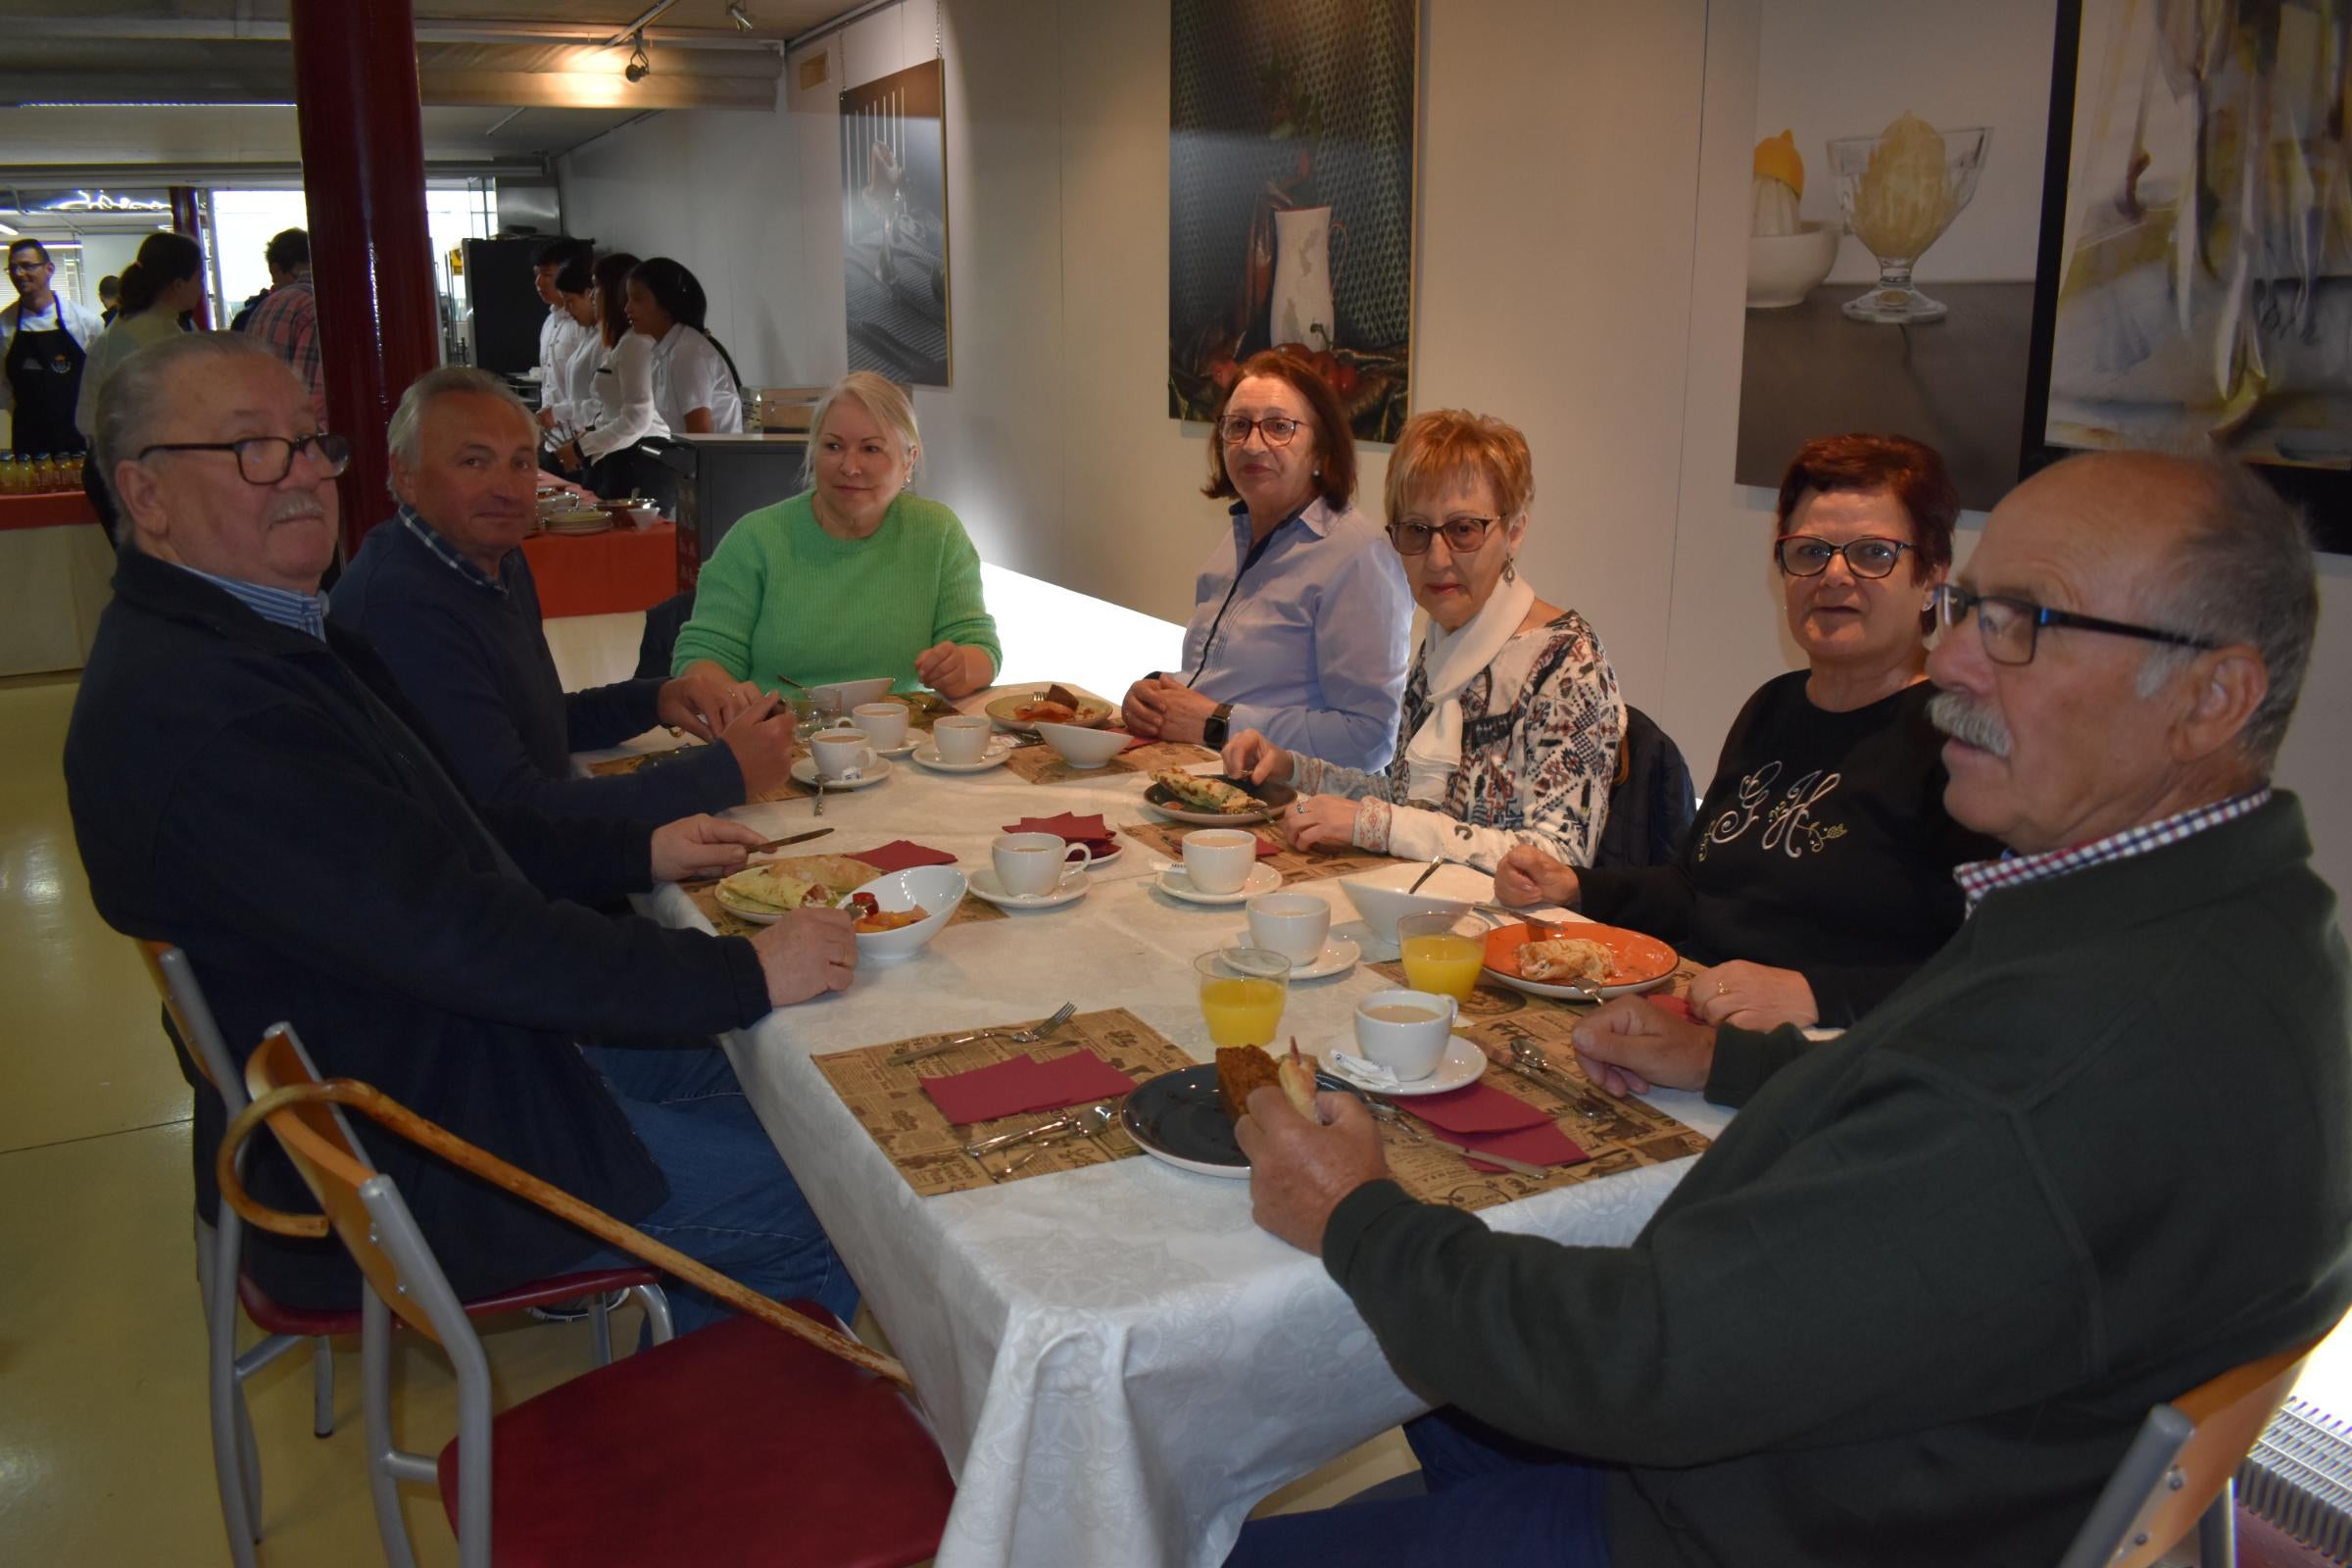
803 771
1274 797
1072 887
1461 1065
756 914
1337 956
1176 1118
1638 962
1262 878
1093 715
928 756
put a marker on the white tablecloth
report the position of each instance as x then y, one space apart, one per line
1119 1363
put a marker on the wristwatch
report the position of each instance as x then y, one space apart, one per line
1218 726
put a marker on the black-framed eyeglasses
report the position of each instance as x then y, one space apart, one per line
2010 628
267 459
1802 555
1277 428
1463 534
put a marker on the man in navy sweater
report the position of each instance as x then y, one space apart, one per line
444 594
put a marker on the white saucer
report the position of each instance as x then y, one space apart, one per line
1337 956
1374 949
985 886
1262 878
803 771
1463 1065
906 747
1116 849
927 754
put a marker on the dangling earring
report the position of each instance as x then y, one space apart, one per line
1510 569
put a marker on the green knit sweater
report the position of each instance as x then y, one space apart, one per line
1913 1302
782 597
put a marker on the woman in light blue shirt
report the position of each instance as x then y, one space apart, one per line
1302 615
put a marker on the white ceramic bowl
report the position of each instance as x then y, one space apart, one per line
1084 748
1380 895
936 888
1782 269
844 695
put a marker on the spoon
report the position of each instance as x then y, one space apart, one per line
1431 870
1087 1121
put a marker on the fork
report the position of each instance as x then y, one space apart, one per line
1087 1121
1097 1114
1015 1037
1531 1063
1383 1110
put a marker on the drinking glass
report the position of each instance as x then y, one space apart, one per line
1898 195
1439 956
1242 994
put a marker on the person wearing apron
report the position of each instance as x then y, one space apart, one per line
45 341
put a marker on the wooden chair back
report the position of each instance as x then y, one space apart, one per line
301 1111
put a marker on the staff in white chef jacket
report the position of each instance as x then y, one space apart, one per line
618 417
562 334
566 387
696 388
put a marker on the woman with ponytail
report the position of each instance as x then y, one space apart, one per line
618 419
696 387
162 284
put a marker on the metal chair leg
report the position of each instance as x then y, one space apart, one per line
2217 1530
375 1402
600 1331
236 1470
322 1386
657 1312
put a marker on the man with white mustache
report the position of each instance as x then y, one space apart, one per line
249 784
1913 1302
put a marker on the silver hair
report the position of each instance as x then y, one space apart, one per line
882 398
137 399
2244 573
405 438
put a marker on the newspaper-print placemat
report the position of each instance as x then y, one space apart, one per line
785 791
1042 765
927 1149
729 925
1628 1137
1294 865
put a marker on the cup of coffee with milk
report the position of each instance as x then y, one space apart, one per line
1404 1031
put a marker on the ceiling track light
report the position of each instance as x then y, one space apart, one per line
737 14
639 67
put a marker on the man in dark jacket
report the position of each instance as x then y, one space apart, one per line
444 594
1913 1302
248 783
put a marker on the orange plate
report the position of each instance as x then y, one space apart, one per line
1636 959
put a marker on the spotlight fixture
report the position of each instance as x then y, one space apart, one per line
736 14
639 67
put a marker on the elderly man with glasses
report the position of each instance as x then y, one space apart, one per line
1915 1301
249 783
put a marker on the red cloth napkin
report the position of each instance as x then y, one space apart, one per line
1479 1110
1266 847
1071 828
901 853
1672 1006
1023 1084
1543 1144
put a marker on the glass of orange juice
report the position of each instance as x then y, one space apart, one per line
1439 956
1242 993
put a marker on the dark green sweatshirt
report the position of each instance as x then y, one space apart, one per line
1915 1300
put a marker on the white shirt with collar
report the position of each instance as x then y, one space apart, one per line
81 324
688 374
560 339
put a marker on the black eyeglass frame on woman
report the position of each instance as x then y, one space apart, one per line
1464 534
1999 633
1829 551
1278 430
332 450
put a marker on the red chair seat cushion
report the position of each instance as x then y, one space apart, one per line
734 1446
273 1317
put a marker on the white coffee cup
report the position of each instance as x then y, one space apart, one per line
1293 924
1220 860
961 738
1030 863
841 753
884 723
1407 1046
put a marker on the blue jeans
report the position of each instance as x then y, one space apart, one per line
1492 1500
732 1205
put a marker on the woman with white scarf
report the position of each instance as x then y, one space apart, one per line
1512 719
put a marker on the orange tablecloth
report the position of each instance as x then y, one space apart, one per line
49 509
604 573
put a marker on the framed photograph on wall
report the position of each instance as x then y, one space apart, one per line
894 224
1291 198
2195 279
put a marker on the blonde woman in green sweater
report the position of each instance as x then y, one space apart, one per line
853 577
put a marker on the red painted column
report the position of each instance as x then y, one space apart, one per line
363 177
187 218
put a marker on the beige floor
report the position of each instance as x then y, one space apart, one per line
104 1458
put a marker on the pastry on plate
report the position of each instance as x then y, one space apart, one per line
1564 958
1242 1070
1207 793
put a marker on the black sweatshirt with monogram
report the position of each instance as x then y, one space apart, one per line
1823 847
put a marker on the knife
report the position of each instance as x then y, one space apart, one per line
759 848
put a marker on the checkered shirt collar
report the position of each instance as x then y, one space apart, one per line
1976 878
447 552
